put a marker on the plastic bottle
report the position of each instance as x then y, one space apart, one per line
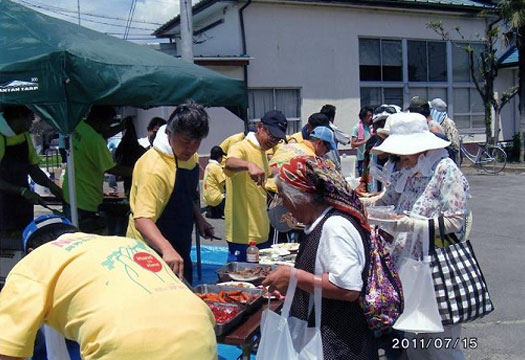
252 253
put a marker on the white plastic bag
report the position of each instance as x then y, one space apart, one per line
56 348
289 338
421 313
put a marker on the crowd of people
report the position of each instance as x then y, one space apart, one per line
119 296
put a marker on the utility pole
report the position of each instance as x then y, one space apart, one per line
78 10
186 30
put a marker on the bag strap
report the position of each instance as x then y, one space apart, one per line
318 299
290 294
431 237
451 237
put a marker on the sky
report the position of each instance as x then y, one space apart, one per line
110 16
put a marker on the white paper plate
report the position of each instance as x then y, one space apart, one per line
287 246
274 251
239 284
239 277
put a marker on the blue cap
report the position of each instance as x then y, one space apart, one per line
40 222
326 134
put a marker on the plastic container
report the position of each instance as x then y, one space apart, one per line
252 253
381 213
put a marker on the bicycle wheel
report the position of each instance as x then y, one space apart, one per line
493 159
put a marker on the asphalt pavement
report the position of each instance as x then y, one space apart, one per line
497 238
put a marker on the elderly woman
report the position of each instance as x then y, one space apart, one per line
318 196
424 183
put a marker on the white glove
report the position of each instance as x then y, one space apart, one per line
407 224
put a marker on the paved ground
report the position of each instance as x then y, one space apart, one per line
497 238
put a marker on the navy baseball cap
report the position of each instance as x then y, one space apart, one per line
276 123
40 222
326 134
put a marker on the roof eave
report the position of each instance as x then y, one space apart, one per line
204 4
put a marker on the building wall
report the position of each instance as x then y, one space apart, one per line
223 39
510 119
316 48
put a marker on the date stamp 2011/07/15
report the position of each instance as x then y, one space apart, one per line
436 343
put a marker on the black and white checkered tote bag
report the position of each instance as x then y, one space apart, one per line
460 286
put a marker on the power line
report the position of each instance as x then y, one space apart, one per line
94 21
130 18
53 8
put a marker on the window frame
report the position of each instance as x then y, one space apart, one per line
295 120
406 85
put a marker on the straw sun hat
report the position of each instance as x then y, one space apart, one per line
409 135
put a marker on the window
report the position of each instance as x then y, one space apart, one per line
386 79
375 96
428 93
468 109
427 61
380 60
288 101
460 61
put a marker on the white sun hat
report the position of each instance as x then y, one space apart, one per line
409 135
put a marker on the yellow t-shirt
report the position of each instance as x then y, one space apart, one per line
230 140
18 139
153 182
92 160
113 295
213 184
283 155
298 137
245 209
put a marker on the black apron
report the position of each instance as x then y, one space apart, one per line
15 211
344 331
176 221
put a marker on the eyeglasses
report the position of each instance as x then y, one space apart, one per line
272 138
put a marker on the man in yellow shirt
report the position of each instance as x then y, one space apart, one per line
18 160
164 189
213 184
114 296
230 140
246 172
92 160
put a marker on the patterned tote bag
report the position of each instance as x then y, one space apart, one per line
460 286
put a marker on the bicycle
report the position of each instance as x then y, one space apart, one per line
491 158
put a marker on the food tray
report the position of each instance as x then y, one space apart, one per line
248 307
223 271
225 328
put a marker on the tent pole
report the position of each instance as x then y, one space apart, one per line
71 182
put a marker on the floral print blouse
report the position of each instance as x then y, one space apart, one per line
445 192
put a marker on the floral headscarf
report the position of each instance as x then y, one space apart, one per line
315 175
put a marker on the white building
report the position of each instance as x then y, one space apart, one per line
297 55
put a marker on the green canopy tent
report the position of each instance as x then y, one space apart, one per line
60 69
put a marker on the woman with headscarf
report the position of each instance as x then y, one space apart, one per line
318 196
424 183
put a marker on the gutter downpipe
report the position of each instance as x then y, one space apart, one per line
245 67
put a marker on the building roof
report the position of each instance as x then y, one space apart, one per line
509 58
445 5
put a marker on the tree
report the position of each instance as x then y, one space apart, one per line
485 74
